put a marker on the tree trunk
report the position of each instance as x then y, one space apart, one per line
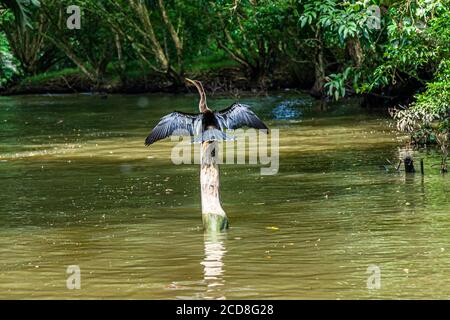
141 10
355 51
319 72
120 59
213 216
173 33
72 56
319 68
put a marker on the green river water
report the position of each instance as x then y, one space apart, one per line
78 187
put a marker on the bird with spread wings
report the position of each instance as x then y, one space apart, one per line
207 125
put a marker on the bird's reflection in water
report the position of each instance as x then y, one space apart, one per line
213 266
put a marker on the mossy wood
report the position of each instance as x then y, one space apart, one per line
213 216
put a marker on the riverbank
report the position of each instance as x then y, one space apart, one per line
226 77
222 78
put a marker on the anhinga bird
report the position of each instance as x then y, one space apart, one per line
207 125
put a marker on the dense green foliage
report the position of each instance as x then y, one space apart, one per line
421 51
7 66
344 47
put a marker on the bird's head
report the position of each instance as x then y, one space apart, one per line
190 82
195 83
202 103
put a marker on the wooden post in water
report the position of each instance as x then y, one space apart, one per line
213 216
207 127
409 164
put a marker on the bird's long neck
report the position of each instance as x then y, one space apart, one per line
203 107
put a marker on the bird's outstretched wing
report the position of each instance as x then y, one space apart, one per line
176 122
237 116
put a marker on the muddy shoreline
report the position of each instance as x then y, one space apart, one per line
226 81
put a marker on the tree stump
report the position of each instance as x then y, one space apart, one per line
213 216
409 164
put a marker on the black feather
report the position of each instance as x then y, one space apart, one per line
180 123
237 116
176 122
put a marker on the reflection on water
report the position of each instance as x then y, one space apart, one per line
79 188
213 265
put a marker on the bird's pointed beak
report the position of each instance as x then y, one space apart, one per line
189 81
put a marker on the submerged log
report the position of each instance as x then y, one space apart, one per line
213 216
